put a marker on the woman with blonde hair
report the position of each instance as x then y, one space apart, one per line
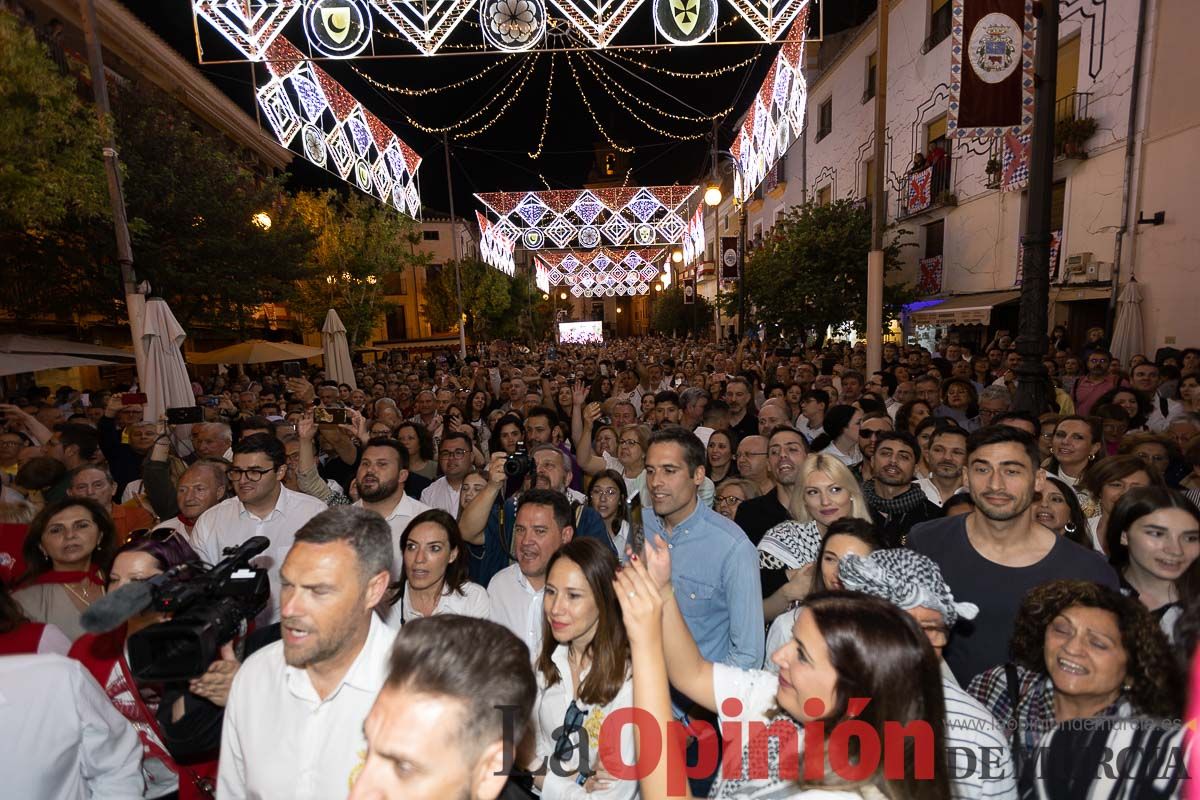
825 492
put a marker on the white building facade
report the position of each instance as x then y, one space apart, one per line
973 225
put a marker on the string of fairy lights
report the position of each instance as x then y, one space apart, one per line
536 153
649 126
599 68
595 119
404 90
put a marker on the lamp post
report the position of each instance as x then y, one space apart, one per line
712 197
1035 277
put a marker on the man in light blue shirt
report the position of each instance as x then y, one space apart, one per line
714 567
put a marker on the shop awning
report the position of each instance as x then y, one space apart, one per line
967 309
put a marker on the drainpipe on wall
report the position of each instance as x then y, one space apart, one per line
1130 152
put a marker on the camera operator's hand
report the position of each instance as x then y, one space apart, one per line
302 389
214 684
306 427
496 474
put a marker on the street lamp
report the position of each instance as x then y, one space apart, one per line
712 195
262 219
677 255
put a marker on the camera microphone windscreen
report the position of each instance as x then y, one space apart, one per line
116 607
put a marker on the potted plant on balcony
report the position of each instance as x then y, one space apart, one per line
1071 133
992 170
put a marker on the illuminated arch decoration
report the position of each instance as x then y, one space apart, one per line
604 271
772 19
512 25
588 218
496 245
250 27
344 28
336 132
693 238
775 119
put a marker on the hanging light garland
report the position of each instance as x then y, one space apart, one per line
704 75
435 131
504 108
537 151
668 134
707 120
387 87
587 103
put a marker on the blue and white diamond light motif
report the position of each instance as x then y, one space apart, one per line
312 101
588 207
644 205
532 210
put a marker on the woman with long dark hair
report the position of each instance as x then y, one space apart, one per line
720 463
1154 544
583 675
1059 510
960 402
610 498
418 441
911 414
844 645
434 579
1076 443
67 552
1105 482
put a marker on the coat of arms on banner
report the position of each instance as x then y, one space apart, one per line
918 194
931 276
993 48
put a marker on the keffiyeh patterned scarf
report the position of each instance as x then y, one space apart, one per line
905 578
789 545
898 506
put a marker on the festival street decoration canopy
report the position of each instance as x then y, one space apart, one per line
777 117
335 131
590 218
341 29
603 271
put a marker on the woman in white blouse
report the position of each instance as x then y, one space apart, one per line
435 572
583 675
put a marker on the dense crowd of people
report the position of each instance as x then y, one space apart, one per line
754 571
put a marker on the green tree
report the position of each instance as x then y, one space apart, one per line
486 298
360 246
811 271
673 317
50 138
192 198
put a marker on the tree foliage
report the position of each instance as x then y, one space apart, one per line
359 245
51 163
673 317
811 271
486 298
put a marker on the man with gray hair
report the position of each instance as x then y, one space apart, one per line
212 440
294 720
976 746
993 401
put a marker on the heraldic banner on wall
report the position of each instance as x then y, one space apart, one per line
991 68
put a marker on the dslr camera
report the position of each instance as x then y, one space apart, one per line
208 610
519 464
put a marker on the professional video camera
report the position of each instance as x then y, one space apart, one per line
207 608
519 464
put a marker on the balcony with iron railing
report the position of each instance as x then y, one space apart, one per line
928 187
1073 125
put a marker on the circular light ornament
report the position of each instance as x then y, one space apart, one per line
362 175
512 25
314 145
589 237
533 239
685 21
338 28
644 234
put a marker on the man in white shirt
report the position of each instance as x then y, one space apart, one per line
64 739
544 523
382 472
1146 379
262 506
947 458
294 720
454 459
459 696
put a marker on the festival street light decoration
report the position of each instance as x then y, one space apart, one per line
343 29
335 132
603 272
496 246
774 120
589 218
693 238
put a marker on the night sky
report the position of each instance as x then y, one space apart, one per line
497 158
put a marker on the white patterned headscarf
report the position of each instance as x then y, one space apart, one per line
906 578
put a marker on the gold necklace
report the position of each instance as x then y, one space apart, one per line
83 596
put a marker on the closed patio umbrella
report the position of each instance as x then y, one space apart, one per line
167 381
256 351
1127 335
338 366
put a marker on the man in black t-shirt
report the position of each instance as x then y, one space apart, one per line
786 451
994 555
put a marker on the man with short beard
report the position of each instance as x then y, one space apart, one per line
995 554
896 503
946 458
293 724
544 523
382 471
1164 410
786 451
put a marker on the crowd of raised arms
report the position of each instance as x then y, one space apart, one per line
648 568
